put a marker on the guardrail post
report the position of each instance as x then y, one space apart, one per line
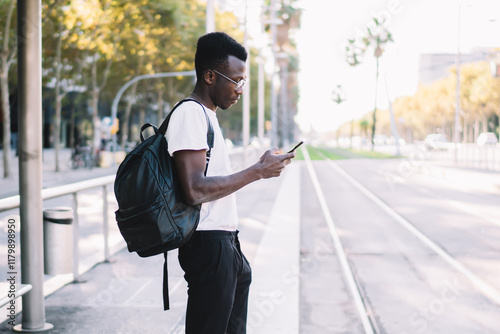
76 235
105 222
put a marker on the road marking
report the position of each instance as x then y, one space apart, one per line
137 292
351 282
176 286
462 206
484 287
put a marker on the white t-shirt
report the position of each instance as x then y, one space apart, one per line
187 130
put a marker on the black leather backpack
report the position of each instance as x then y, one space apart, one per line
151 215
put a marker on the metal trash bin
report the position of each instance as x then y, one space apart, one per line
58 241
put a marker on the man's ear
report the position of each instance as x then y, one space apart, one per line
209 77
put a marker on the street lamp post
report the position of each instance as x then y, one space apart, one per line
457 91
114 105
261 82
274 99
283 98
246 95
29 56
210 17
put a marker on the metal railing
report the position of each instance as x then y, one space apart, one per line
469 156
73 189
240 158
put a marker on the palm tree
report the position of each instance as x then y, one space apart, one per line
338 95
376 37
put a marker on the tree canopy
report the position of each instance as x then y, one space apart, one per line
432 108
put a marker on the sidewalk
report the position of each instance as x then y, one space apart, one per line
471 179
465 176
124 296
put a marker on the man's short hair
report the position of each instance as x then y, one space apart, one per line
213 50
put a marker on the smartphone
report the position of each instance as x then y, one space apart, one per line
296 146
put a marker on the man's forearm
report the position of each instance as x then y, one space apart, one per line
212 188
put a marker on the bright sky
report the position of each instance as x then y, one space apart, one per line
417 26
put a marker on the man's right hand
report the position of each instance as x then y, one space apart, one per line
272 163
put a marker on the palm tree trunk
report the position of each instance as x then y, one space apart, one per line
160 104
126 115
59 97
375 108
96 91
95 113
4 87
485 120
72 127
6 117
131 100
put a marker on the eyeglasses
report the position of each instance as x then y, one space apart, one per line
239 84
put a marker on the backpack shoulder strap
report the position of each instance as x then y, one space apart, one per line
163 127
210 142
210 131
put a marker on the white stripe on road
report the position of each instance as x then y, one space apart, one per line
484 287
351 282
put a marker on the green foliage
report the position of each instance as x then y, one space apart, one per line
92 47
371 154
95 46
320 153
376 36
7 58
432 108
10 34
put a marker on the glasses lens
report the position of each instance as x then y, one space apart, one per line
241 84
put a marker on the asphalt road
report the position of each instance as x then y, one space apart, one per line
423 251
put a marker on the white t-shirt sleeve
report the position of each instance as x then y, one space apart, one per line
187 129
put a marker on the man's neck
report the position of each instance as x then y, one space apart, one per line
204 99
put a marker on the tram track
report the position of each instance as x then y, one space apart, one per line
361 307
360 297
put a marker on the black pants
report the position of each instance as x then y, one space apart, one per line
218 277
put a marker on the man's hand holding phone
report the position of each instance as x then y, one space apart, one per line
272 163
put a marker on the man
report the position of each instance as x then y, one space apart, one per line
217 273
